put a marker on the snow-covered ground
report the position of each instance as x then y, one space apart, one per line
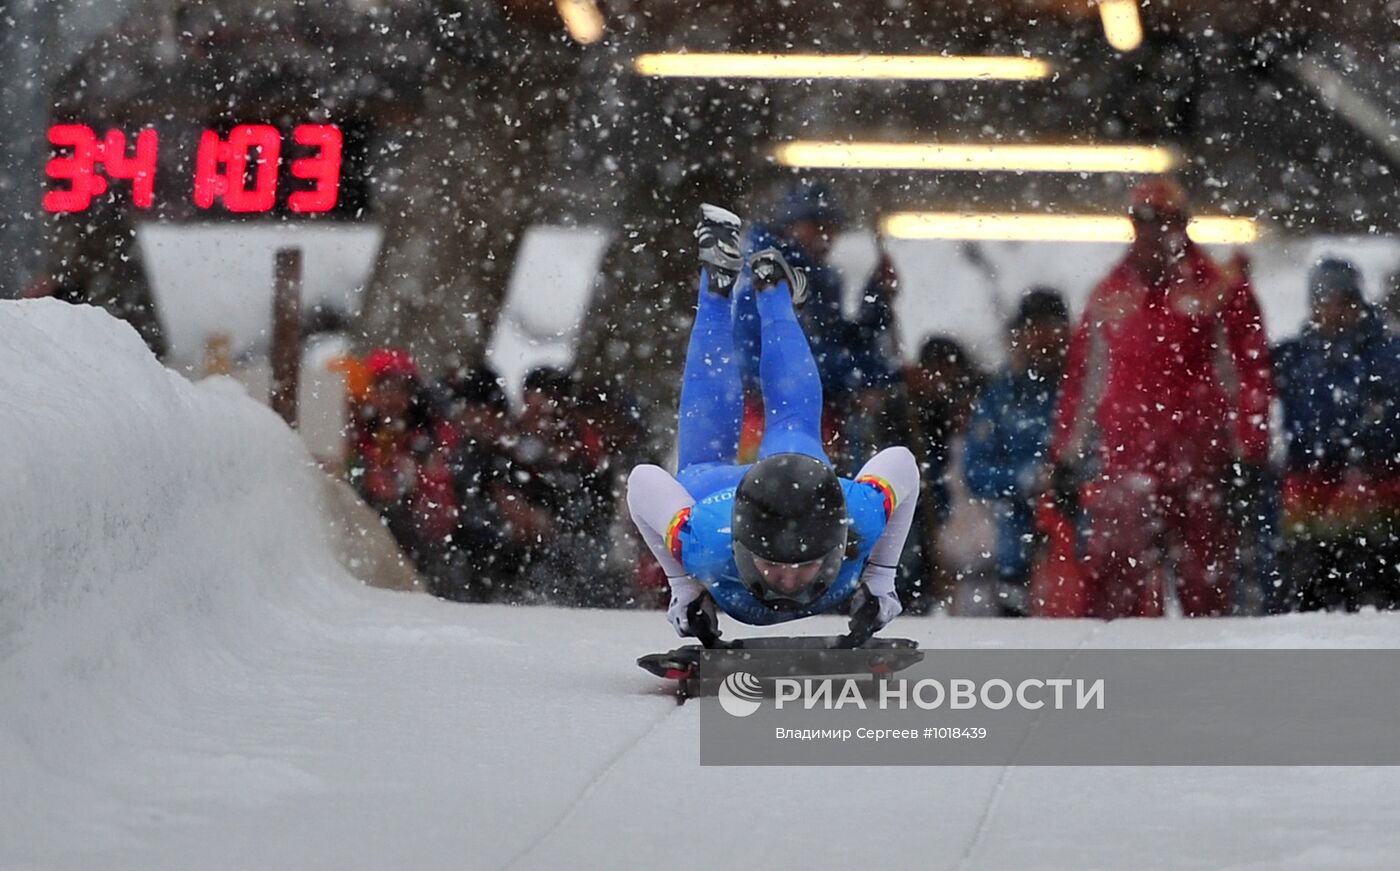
189 680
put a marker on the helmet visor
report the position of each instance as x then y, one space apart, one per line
788 586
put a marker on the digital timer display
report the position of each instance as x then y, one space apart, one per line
239 172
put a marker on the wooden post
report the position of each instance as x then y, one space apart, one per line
286 334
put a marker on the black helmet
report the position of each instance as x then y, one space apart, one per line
789 529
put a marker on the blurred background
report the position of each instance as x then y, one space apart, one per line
518 181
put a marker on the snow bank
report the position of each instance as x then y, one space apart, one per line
153 531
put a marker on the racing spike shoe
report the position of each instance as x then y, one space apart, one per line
769 267
718 235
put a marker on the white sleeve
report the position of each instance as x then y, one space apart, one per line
897 467
654 498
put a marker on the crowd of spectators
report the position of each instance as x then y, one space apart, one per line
494 504
1162 449
1159 449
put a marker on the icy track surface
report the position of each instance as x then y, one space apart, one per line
188 681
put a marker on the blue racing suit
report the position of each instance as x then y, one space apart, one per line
711 409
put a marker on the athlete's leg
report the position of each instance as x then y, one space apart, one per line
748 335
792 388
712 402
748 345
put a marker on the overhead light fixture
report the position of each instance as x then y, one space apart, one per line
1217 230
840 66
1147 159
1122 25
582 19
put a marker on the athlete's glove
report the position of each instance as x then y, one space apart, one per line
770 267
873 605
691 611
872 611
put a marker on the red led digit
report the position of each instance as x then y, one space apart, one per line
324 168
221 168
76 169
140 169
243 139
209 181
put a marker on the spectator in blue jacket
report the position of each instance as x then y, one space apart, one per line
1007 459
855 357
1339 385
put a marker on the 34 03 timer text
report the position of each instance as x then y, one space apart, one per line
241 172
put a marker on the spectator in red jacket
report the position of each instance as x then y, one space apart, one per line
1163 416
400 461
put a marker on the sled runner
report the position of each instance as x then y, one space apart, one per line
770 657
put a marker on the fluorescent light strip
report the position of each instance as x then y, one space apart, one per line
840 66
1053 228
582 19
1224 231
1122 25
1148 159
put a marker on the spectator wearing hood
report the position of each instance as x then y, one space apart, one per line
1339 386
854 356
